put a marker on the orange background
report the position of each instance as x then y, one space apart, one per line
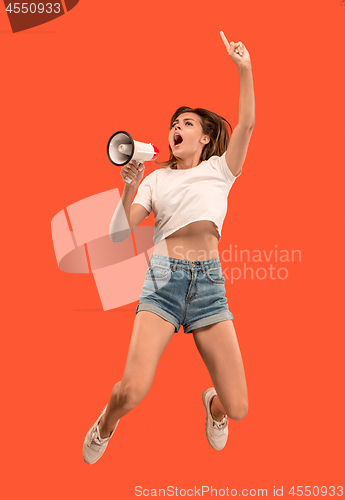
66 87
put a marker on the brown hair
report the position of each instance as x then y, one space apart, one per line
213 125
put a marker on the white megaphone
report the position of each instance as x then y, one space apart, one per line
122 148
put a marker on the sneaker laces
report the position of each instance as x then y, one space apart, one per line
96 437
220 426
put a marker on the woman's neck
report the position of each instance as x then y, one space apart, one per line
189 162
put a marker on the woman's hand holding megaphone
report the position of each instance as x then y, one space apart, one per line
132 173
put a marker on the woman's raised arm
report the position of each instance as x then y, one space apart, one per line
239 142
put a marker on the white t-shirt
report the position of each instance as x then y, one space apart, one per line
179 197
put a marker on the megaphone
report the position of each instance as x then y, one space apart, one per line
122 148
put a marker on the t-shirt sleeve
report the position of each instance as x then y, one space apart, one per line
219 163
144 194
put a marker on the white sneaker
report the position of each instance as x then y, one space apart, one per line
216 432
94 446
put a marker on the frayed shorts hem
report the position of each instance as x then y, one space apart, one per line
208 320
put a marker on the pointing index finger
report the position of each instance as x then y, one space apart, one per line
226 43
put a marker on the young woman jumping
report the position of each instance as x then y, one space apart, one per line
184 284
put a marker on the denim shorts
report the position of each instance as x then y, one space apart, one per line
185 292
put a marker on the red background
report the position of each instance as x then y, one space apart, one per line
66 87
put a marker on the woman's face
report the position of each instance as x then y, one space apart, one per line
186 136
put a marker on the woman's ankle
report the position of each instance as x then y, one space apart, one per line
104 431
217 415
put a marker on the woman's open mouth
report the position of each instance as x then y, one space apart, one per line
177 139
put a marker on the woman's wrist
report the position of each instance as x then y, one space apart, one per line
244 66
128 189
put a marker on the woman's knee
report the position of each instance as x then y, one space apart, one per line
237 411
129 394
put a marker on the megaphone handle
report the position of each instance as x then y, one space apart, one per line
127 179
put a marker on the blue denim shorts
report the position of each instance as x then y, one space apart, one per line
185 292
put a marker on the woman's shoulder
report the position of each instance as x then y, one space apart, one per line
159 173
216 160
149 178
153 177
219 163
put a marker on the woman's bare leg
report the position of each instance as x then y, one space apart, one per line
220 351
150 336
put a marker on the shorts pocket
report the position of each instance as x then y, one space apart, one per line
158 273
215 275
